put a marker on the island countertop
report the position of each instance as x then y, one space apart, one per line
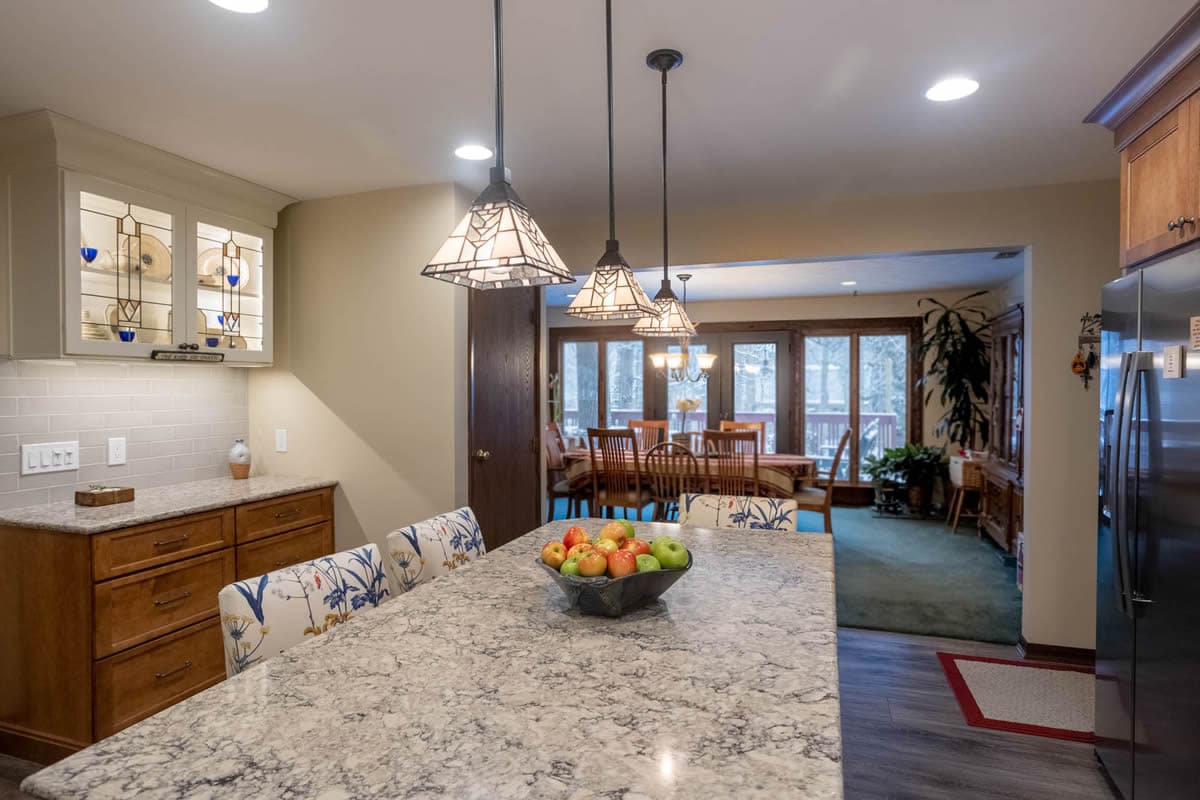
158 503
483 685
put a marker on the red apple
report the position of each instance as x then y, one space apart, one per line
617 531
592 564
554 554
621 563
578 550
575 535
636 546
606 546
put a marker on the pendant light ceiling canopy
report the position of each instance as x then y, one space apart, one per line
611 291
498 244
671 319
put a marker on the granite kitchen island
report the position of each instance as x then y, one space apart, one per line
482 685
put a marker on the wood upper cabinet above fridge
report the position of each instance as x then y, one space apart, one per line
1160 185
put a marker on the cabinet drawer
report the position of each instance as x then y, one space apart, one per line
137 608
135 684
267 555
269 517
129 550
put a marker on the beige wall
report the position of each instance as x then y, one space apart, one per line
1071 234
844 306
370 374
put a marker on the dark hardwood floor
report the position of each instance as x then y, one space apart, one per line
904 736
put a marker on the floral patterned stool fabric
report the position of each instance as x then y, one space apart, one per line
732 511
422 552
261 617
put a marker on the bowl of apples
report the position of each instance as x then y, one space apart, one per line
616 572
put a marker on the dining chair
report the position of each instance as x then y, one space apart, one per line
671 471
737 511
819 500
731 462
263 616
759 427
433 547
616 471
555 433
648 432
557 484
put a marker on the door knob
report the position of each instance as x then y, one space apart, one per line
482 455
1177 224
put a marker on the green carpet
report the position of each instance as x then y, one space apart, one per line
917 577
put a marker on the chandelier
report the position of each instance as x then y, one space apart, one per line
683 366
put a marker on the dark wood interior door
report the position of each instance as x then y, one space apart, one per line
505 468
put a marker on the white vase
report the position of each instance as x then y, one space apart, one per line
239 460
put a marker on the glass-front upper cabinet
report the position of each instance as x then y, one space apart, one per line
229 288
145 273
124 252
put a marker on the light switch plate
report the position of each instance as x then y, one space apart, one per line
1173 361
281 440
37 459
116 451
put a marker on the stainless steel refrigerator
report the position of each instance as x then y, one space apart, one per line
1148 591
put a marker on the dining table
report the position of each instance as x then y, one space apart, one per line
485 683
779 474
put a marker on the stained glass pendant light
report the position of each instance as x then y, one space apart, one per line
671 319
498 245
611 291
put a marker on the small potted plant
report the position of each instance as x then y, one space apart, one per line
918 466
882 470
683 405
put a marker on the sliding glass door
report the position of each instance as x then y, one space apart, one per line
827 393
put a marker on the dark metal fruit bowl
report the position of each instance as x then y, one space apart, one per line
612 597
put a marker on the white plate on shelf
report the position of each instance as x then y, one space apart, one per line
155 257
210 269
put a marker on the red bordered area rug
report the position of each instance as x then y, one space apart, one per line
1039 699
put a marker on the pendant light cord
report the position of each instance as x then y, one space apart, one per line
666 251
612 187
499 34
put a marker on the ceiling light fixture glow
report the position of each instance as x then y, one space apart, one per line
474 152
849 283
951 89
242 6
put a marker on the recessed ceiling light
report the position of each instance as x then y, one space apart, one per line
473 152
951 89
242 6
849 283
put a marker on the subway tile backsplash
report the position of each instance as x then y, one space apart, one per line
179 422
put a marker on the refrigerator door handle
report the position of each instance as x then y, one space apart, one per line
1114 494
1135 364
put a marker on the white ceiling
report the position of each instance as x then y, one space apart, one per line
776 98
876 275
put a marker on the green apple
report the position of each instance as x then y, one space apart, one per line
628 526
671 553
647 563
570 566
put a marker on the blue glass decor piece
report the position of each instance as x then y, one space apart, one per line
212 341
220 319
88 253
233 279
127 334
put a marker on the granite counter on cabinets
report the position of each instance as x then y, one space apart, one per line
484 684
159 503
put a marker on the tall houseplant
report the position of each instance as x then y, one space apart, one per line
956 348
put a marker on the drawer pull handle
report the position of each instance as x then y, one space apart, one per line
177 540
169 600
295 512
158 676
283 562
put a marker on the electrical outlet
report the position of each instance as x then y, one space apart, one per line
281 440
37 459
116 451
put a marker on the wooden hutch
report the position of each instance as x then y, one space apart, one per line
1002 496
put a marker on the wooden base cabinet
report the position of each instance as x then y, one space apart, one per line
105 630
1002 502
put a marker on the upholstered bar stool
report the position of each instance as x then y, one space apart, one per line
736 511
433 547
261 617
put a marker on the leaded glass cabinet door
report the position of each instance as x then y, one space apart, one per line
229 288
123 252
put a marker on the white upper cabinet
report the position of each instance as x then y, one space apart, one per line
113 249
